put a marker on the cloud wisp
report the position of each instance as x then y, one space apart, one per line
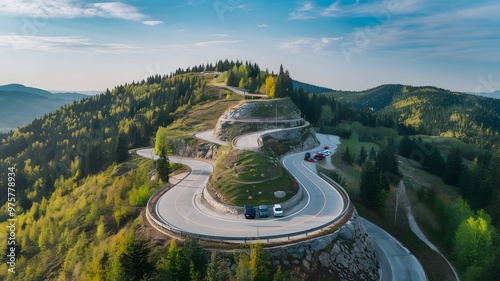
205 43
459 34
308 44
67 9
152 22
64 44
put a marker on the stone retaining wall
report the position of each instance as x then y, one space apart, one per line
347 253
207 195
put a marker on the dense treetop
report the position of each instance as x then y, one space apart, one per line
431 111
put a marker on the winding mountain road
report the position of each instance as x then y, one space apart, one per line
183 209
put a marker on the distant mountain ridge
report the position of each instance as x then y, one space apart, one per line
19 105
430 110
312 89
495 94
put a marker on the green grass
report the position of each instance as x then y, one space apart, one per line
414 176
285 108
351 173
239 174
203 116
469 150
415 179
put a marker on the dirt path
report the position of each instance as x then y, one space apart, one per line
416 229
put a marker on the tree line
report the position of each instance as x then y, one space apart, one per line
476 179
83 138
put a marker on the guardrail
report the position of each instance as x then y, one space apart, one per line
344 194
267 238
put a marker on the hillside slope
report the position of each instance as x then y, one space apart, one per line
21 105
431 111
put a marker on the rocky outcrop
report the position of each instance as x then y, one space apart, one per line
254 116
347 254
197 149
294 140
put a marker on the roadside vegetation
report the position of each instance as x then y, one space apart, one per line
80 194
248 177
449 186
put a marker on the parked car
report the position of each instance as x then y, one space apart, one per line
277 210
326 152
249 212
310 160
263 211
319 156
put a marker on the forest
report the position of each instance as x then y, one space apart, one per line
428 111
80 193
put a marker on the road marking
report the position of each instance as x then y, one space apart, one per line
198 172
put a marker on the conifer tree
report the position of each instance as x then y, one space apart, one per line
217 268
362 155
163 167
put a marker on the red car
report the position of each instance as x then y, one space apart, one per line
319 155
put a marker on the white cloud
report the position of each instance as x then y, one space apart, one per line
219 35
152 22
206 43
353 8
306 6
262 25
460 33
69 9
64 44
308 44
214 43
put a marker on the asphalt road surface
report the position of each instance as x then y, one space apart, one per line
397 262
182 207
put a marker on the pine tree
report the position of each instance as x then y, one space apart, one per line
163 167
453 168
191 253
362 156
134 261
217 268
387 163
121 148
278 275
371 190
258 263
372 154
406 147
347 157
194 273
242 272
284 84
434 163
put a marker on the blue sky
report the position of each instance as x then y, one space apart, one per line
345 44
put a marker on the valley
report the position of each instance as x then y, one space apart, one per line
82 191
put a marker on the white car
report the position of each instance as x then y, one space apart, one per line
277 210
326 152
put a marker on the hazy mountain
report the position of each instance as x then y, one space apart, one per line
495 95
313 89
430 110
88 93
20 105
